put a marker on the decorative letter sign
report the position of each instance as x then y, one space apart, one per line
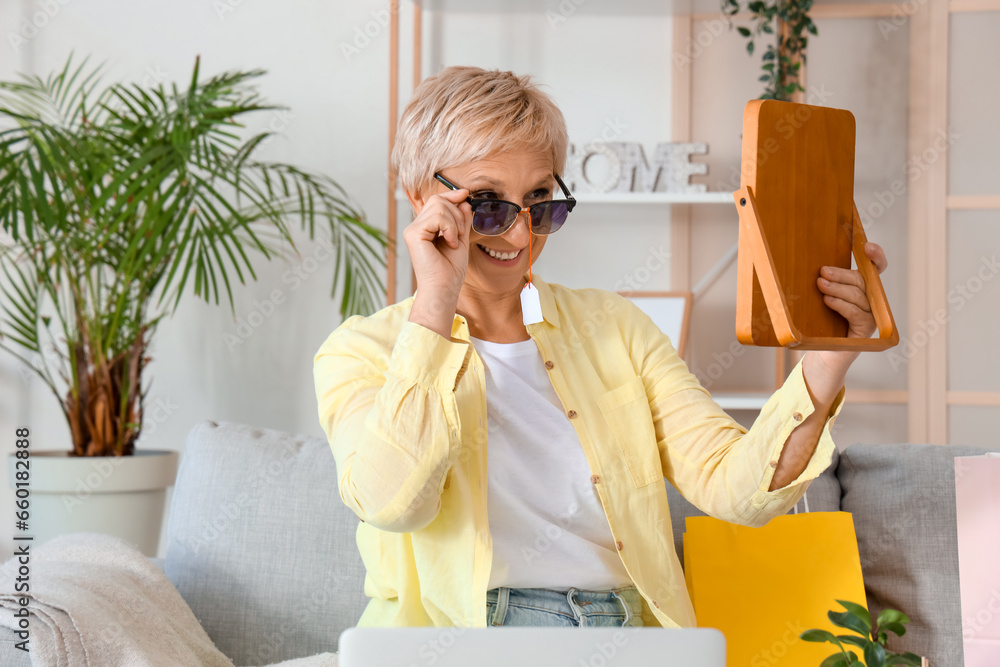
628 171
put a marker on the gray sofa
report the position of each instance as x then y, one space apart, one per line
263 551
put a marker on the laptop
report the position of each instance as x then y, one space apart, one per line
531 647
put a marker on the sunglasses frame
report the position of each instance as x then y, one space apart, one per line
570 202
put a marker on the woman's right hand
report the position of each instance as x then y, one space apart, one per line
438 243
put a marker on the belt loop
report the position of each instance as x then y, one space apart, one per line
628 612
503 594
573 606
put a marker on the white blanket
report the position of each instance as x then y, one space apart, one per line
97 601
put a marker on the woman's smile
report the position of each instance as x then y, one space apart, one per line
501 257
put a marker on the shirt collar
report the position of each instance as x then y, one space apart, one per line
549 311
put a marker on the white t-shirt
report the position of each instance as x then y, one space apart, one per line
548 527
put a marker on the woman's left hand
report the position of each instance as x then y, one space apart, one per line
844 291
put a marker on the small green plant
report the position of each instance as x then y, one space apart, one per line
782 61
870 638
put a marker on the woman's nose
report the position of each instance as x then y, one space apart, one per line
519 231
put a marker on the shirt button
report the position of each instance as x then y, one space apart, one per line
484 538
594 479
619 545
571 414
773 464
797 416
656 604
549 365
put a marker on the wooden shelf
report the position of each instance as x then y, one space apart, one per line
626 7
642 198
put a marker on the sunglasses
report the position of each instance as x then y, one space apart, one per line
493 217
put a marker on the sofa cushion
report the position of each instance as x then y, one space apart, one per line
823 495
903 501
261 546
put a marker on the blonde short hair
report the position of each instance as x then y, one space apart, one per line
467 113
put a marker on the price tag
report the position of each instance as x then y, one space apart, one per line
531 306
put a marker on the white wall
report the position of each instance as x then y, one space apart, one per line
601 68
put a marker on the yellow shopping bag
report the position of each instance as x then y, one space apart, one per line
762 587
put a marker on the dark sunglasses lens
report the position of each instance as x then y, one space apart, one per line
548 217
492 218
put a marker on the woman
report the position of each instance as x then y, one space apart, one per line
507 467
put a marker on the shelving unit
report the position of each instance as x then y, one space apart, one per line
680 203
927 385
640 197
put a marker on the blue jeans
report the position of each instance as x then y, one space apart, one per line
572 608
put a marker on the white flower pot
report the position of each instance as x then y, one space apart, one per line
117 495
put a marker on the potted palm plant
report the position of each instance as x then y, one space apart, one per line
112 201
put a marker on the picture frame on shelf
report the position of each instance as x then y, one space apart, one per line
670 311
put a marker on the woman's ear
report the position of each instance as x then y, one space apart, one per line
417 201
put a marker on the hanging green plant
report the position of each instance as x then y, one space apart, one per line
785 24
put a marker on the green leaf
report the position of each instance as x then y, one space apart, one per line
818 636
891 616
858 611
744 31
911 659
849 621
750 48
894 627
874 655
835 660
860 642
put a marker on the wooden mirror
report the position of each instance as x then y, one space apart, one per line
797 214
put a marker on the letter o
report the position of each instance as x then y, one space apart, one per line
309 267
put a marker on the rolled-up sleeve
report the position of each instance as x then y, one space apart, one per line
390 416
713 461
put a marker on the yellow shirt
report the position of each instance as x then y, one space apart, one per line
404 411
